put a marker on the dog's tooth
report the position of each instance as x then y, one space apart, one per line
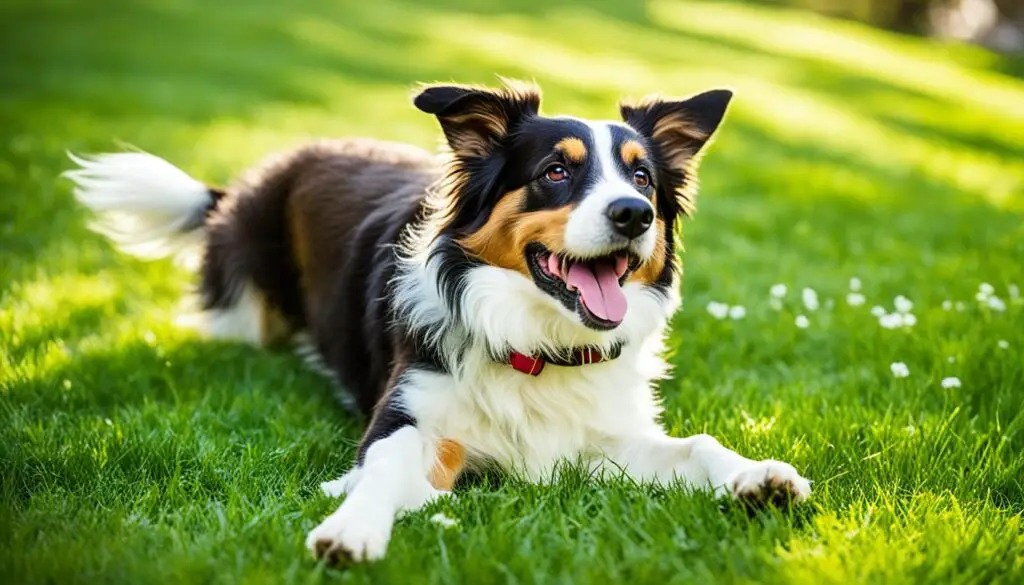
565 266
552 265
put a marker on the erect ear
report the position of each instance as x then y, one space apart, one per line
678 131
475 120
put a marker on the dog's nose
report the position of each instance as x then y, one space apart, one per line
631 216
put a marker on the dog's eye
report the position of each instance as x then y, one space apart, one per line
556 173
642 178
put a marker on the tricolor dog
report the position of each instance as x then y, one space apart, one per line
500 305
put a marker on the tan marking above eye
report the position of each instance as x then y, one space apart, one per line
573 149
632 151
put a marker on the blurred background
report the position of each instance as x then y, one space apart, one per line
996 24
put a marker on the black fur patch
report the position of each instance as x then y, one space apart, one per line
388 419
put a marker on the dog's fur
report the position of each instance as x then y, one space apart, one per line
414 277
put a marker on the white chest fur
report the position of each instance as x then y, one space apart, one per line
530 423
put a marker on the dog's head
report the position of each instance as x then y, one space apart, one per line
579 207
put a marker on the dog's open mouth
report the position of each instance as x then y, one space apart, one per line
591 287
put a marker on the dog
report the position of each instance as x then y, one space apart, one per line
502 304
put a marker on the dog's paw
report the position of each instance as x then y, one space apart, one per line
769 482
351 534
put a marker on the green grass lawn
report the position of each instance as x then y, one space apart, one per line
135 453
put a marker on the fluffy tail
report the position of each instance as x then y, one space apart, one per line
148 207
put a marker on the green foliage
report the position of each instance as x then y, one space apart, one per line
132 452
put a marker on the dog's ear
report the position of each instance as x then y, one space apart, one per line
679 130
476 120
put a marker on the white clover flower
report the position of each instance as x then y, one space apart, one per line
899 369
855 299
855 284
909 320
444 521
810 298
902 304
718 310
986 289
951 382
802 322
775 303
959 307
1003 344
878 311
996 304
778 290
891 321
947 305
737 312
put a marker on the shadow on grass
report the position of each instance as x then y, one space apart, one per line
194 417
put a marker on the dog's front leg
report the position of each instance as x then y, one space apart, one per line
392 478
703 463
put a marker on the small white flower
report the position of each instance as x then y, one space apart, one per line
909 320
903 304
951 359
802 322
855 284
959 307
444 521
947 305
996 304
981 297
1003 344
855 299
810 298
737 312
986 289
891 321
899 369
878 311
779 290
718 310
776 303
1014 292
951 382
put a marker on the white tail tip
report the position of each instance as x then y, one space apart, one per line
145 205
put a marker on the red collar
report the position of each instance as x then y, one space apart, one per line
580 356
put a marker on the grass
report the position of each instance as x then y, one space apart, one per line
134 453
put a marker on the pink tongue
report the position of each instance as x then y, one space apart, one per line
599 289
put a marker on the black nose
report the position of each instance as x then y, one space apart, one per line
631 216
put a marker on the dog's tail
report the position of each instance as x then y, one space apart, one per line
145 205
